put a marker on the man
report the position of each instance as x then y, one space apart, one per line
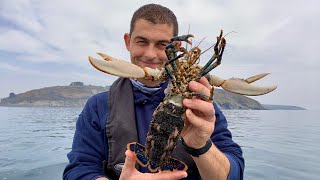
108 120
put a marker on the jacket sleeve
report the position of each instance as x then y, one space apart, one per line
89 147
222 138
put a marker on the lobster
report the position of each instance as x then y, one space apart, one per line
168 121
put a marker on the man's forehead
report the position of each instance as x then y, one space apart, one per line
156 39
149 30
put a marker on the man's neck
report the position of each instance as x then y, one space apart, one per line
149 82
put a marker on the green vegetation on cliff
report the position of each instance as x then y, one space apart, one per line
76 94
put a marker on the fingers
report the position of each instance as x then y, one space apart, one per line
198 121
202 86
204 81
130 161
130 172
129 166
199 110
205 108
193 119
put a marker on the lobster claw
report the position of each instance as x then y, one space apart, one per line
183 38
122 68
242 86
117 67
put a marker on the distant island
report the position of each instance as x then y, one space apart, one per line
282 107
76 95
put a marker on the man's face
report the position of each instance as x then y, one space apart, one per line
147 43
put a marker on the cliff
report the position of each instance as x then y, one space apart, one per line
227 100
76 94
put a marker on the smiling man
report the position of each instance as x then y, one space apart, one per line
112 119
147 43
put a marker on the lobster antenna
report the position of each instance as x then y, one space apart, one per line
215 44
200 42
188 33
230 33
208 49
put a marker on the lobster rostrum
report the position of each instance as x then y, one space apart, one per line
168 118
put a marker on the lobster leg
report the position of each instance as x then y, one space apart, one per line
218 52
173 48
169 72
200 95
173 63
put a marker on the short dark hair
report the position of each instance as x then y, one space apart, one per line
155 14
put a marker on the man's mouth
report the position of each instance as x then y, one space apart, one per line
151 64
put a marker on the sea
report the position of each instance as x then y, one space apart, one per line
276 144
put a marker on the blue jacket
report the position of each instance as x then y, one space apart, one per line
90 146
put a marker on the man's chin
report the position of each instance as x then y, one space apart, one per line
152 66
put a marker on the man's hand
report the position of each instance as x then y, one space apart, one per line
200 116
129 172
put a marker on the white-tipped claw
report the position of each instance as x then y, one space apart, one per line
256 77
243 87
117 67
124 69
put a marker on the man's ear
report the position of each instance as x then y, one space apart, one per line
126 38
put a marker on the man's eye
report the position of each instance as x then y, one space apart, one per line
162 45
141 42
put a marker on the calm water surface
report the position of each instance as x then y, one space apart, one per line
276 144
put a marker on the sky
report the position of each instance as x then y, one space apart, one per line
47 43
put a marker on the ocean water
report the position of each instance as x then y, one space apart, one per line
276 144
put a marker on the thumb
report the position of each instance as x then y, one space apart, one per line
130 161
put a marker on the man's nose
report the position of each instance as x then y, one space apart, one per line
150 52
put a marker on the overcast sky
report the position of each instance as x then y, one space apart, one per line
46 43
